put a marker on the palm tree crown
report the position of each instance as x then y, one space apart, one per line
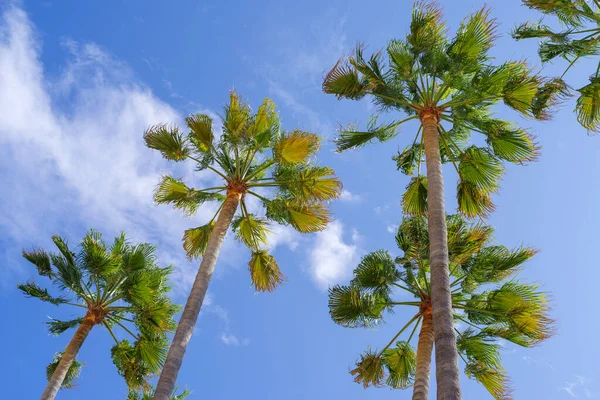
118 287
486 299
454 83
252 154
579 38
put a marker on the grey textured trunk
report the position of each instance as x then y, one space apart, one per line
187 322
446 355
66 360
424 349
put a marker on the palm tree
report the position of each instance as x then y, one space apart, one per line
116 286
251 158
486 299
149 394
449 87
578 38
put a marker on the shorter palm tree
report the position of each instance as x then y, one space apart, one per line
485 301
115 286
579 37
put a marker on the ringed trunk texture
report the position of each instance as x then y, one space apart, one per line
424 350
187 322
446 355
67 358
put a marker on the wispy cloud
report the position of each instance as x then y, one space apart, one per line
577 387
71 149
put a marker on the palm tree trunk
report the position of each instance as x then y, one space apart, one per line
187 322
446 355
67 358
424 349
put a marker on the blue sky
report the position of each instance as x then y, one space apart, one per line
79 83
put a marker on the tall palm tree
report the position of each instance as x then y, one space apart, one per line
116 286
252 158
578 38
450 88
486 300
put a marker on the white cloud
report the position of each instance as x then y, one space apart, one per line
392 228
72 154
350 197
380 210
331 258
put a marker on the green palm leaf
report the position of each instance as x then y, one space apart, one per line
414 199
304 218
56 327
41 260
401 365
264 271
201 135
370 370
350 307
308 183
175 192
168 140
195 240
296 147
251 230
376 272
32 290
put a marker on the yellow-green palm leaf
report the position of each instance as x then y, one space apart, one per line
296 147
195 240
264 271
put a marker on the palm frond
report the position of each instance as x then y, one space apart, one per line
344 82
588 105
72 373
401 363
195 240
306 184
376 272
56 327
175 192
351 307
427 30
30 289
95 257
370 370
264 271
414 199
265 119
41 260
237 117
305 218
201 133
168 140
251 230
480 168
351 138
296 147
408 159
474 38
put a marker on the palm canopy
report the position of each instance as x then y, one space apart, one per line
486 298
578 37
149 395
455 83
251 155
118 287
